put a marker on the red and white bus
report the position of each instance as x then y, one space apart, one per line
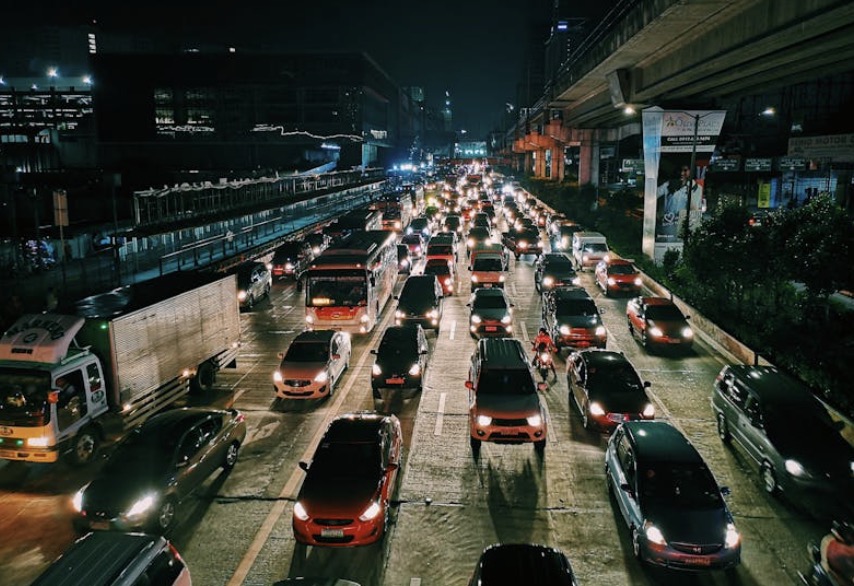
346 287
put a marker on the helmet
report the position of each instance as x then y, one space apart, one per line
543 331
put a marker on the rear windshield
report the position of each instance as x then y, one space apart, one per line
595 247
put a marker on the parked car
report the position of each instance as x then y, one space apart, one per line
445 271
789 434
658 323
313 365
618 275
504 402
669 499
606 389
420 301
254 282
401 359
404 262
156 467
572 319
491 313
522 563
349 481
554 270
291 258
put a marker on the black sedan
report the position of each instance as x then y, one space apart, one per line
522 563
156 466
401 359
554 270
606 389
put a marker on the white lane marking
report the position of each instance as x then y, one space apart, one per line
440 415
523 329
453 329
295 480
513 289
262 432
415 582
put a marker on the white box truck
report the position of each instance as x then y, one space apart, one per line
67 382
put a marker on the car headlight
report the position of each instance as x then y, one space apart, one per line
501 278
289 266
596 409
576 281
141 506
523 244
38 442
535 420
474 278
732 538
404 263
612 281
432 313
398 314
300 512
364 319
309 319
371 512
795 468
600 331
687 333
415 370
484 420
649 410
548 281
77 499
470 242
653 534
241 295
564 330
506 319
321 377
277 376
655 332
475 318
376 370
638 282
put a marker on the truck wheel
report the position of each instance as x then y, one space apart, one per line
85 446
204 380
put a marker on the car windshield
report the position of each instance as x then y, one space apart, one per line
489 302
141 450
411 239
340 290
622 270
559 266
681 486
584 307
23 397
478 232
664 313
307 352
418 293
615 378
595 247
487 264
397 343
357 460
441 249
506 382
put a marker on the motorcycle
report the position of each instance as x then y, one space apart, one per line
818 574
544 362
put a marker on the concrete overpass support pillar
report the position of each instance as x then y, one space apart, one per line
529 163
558 163
540 163
585 159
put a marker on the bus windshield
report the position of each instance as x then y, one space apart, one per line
336 290
23 397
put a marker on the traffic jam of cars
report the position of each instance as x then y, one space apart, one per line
378 303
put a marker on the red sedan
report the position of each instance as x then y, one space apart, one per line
344 500
618 275
657 321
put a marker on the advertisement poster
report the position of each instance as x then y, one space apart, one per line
671 138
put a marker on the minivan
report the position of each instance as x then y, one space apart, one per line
504 402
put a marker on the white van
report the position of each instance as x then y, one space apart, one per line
588 248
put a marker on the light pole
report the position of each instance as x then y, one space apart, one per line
686 230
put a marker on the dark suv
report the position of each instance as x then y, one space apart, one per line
401 359
788 433
504 402
669 499
420 302
554 270
572 318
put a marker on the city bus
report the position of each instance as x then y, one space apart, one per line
347 286
397 210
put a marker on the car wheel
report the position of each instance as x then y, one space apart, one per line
723 429
540 446
644 340
267 291
165 516
631 328
636 550
475 446
769 478
85 447
231 456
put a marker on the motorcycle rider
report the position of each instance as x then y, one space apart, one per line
543 343
837 552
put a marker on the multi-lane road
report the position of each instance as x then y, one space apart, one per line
449 506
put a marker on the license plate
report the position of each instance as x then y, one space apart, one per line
487 285
99 525
699 561
394 381
491 328
332 533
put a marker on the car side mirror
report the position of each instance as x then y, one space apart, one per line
280 355
423 352
469 385
687 317
397 297
304 465
602 310
470 268
392 466
373 351
468 304
725 491
512 305
646 384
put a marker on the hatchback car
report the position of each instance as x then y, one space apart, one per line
606 389
401 359
788 433
313 365
572 319
669 499
352 476
554 270
522 563
618 275
491 313
445 271
658 323
254 282
420 302
157 466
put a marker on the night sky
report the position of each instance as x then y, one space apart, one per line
475 49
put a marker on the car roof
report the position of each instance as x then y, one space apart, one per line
401 332
535 564
315 336
661 442
601 358
361 426
656 301
176 420
770 384
619 261
502 352
554 256
570 292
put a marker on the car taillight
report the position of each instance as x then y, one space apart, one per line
239 418
174 552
